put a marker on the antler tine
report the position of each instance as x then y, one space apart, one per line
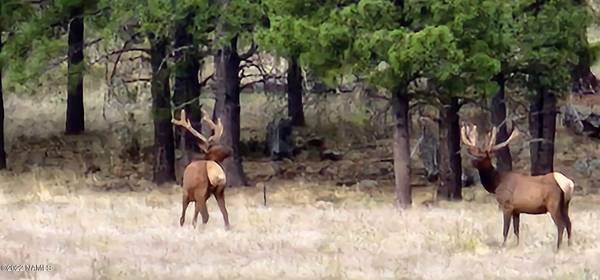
492 138
465 133
514 133
185 123
463 136
207 119
474 135
218 128
218 132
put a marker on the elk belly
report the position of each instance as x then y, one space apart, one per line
529 199
216 174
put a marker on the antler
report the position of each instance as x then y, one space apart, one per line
185 123
492 138
218 128
468 134
514 133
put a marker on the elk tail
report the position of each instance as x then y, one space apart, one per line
566 185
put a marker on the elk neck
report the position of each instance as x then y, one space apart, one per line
488 175
218 153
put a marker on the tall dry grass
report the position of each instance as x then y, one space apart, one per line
307 231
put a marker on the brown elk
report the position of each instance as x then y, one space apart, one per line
518 193
206 177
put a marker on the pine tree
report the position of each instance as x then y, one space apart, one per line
12 14
550 44
482 31
391 46
75 120
235 29
39 44
285 35
193 21
154 21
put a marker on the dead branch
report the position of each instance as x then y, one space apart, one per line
171 54
377 96
253 49
60 60
205 81
416 104
249 64
136 80
143 58
114 70
182 105
120 52
263 81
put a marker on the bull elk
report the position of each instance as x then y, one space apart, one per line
206 177
518 193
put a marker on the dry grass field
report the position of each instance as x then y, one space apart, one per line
114 224
307 231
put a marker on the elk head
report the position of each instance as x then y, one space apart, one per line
212 148
482 154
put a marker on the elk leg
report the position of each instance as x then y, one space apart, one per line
196 211
184 203
200 197
507 216
560 226
567 223
516 226
204 210
220 196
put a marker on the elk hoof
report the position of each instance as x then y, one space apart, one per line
181 221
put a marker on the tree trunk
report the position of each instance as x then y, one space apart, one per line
2 151
542 127
503 156
164 162
187 88
450 159
227 107
294 91
75 115
401 148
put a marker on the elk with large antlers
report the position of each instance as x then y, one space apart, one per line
518 193
206 177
